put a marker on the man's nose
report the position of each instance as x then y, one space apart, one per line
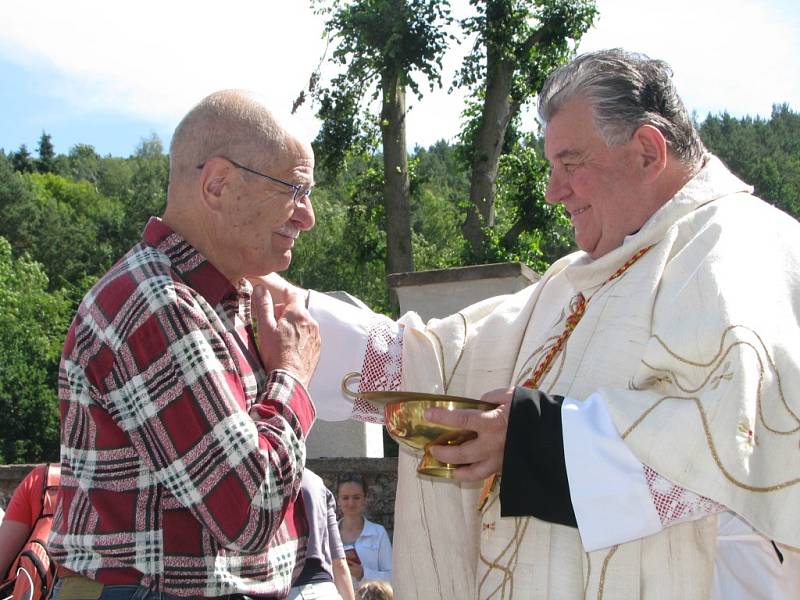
303 217
554 191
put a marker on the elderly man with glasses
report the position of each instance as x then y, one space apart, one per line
183 426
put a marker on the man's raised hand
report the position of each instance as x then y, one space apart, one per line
288 337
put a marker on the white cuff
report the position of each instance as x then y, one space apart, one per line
609 491
343 331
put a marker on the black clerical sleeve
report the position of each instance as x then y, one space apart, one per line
534 478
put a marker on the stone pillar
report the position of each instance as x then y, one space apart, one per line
437 294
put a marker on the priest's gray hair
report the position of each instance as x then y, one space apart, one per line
625 90
233 124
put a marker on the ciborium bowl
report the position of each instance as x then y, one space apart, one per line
404 418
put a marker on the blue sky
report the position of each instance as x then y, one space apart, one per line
110 73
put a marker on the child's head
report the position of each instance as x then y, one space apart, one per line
375 590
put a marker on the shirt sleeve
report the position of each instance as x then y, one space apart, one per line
25 504
609 492
335 539
384 570
565 463
615 497
176 391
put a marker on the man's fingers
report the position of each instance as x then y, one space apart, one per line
278 310
263 308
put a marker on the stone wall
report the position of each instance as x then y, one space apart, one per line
379 473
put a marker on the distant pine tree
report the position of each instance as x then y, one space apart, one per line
21 160
47 154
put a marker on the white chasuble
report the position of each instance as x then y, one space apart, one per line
695 350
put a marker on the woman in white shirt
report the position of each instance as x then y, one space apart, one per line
367 546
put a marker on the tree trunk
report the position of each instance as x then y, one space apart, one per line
497 112
399 258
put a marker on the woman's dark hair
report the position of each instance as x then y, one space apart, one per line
352 477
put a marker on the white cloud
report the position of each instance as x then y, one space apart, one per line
739 56
155 59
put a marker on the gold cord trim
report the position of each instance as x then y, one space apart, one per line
712 447
602 583
446 381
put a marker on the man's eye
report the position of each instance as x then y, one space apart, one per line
570 167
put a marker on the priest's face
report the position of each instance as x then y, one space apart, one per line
598 185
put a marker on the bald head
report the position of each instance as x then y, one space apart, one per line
229 123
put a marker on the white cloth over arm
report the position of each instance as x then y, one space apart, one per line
345 331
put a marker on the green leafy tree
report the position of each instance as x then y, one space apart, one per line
33 323
381 44
528 229
67 226
439 186
146 194
518 43
83 163
763 152
346 249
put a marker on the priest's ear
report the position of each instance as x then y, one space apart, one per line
652 151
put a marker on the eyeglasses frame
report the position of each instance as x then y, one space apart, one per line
300 191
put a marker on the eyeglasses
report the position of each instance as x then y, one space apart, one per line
301 192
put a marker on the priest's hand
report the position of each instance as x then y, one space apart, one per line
482 456
288 336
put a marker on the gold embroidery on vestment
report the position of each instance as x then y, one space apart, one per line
602 583
445 380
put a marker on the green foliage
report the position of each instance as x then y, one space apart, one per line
375 38
47 154
535 35
517 44
67 226
528 229
764 153
21 160
33 323
439 194
346 250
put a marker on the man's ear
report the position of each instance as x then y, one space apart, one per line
214 179
652 151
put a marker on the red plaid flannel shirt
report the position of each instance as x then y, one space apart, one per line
181 454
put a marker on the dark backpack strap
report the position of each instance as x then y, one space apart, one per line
50 483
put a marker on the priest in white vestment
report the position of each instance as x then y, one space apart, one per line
647 435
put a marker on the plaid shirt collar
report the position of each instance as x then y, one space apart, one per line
194 268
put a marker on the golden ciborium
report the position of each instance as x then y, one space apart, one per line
404 418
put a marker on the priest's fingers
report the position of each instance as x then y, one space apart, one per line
478 458
476 420
499 396
482 455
